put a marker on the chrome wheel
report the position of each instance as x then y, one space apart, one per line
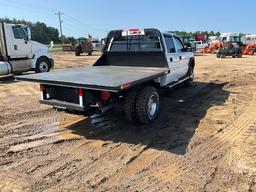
147 105
152 106
43 67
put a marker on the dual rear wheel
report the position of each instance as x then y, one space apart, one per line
142 105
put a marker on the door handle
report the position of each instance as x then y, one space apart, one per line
180 57
15 47
171 59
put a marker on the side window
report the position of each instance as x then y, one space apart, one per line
179 44
169 44
18 33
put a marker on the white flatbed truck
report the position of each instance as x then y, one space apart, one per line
135 64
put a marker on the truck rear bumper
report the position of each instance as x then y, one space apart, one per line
63 105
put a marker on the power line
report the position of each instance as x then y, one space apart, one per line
78 21
60 23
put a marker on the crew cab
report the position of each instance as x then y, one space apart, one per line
134 65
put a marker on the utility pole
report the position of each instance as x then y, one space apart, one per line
60 23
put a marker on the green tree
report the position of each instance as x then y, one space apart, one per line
193 34
40 32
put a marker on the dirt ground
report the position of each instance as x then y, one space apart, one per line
203 140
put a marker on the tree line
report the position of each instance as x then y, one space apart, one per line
40 32
193 34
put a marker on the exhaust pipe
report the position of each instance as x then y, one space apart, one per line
105 109
5 68
100 111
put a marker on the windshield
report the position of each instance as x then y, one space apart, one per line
235 39
135 43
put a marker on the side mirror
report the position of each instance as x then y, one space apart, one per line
186 49
51 45
172 50
29 33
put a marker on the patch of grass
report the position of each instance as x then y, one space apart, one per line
55 48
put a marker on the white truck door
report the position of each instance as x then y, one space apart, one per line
183 57
173 59
20 46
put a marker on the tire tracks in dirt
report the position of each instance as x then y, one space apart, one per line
190 167
200 155
144 160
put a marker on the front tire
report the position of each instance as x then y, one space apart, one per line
42 65
147 105
191 75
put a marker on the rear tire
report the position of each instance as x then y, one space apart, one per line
77 51
130 104
147 105
239 55
222 56
42 65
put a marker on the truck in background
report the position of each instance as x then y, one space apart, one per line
82 46
18 53
96 43
249 39
201 37
230 37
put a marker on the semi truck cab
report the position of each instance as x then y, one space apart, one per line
18 53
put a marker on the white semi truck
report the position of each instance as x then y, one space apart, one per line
18 53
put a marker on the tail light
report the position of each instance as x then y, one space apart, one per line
131 32
80 92
105 96
134 32
47 93
42 91
125 86
41 88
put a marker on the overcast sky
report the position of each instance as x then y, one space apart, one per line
97 17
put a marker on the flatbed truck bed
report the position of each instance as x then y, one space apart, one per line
104 78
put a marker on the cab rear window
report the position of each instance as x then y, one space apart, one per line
136 43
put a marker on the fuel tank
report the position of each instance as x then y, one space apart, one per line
5 68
